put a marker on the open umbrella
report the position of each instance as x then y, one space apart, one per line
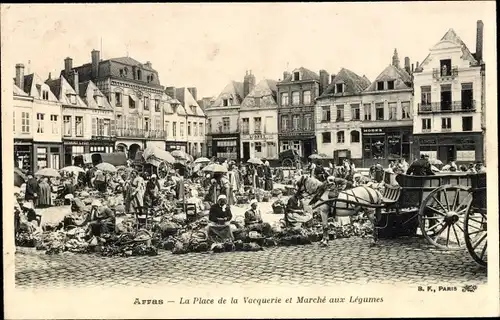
215 168
48 172
255 161
104 166
19 177
202 160
318 156
73 169
435 162
179 154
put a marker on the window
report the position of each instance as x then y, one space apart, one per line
119 121
257 102
325 114
195 126
209 124
367 108
157 123
425 95
147 124
446 124
271 150
295 98
390 85
379 111
285 123
295 122
426 124
340 112
307 122
225 102
55 124
94 126
118 99
306 97
79 126
467 96
284 99
446 97
131 102
339 88
174 129
41 158
355 112
98 100
45 95
189 128
445 65
258 147
296 76
340 137
405 108
72 98
25 122
327 137
257 124
157 105
167 126
201 129
181 129
393 110
139 75
355 137
466 123
146 103
226 124
245 126
39 122
132 122
380 85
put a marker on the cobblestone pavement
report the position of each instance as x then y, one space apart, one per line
352 260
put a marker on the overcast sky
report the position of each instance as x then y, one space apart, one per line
207 45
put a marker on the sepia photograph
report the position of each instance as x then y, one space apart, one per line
238 159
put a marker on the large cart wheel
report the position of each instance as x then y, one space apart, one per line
162 170
442 214
475 232
287 163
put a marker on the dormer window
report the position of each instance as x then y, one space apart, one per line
139 75
125 70
193 109
98 100
72 98
296 76
225 102
121 72
380 85
45 95
339 88
390 85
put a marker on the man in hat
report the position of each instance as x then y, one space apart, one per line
420 167
253 219
32 188
102 219
151 196
268 177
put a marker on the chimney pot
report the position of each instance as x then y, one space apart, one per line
324 78
479 41
412 67
76 82
68 65
20 75
95 63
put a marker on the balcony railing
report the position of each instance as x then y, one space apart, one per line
447 107
224 130
340 119
445 73
141 133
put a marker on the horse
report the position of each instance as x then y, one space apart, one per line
358 196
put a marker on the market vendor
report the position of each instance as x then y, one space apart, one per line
99 181
295 215
151 195
219 229
30 213
32 189
268 177
102 219
253 219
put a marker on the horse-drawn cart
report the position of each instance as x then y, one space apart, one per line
451 209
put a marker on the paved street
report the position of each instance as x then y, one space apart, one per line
345 261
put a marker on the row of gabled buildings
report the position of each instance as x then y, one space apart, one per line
103 106
436 107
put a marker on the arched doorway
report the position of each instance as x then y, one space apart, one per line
132 150
121 147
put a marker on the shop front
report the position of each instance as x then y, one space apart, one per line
226 146
464 148
155 143
303 143
102 144
23 154
262 146
48 155
176 145
74 151
383 145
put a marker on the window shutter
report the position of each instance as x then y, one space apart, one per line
112 127
94 126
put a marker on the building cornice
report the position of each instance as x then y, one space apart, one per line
136 86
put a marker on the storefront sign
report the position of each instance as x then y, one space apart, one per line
76 143
424 141
466 155
373 130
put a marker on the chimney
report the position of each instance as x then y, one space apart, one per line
332 77
395 59
76 82
68 65
50 77
416 67
95 63
148 64
324 78
407 65
412 67
194 92
479 41
20 75
248 83
171 92
286 74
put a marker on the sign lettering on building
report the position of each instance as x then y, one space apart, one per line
428 141
373 130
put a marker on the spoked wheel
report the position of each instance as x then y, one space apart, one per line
442 214
475 232
162 170
287 163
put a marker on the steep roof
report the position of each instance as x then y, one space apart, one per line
452 36
19 92
354 83
402 80
233 91
61 88
266 91
306 75
188 102
28 81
